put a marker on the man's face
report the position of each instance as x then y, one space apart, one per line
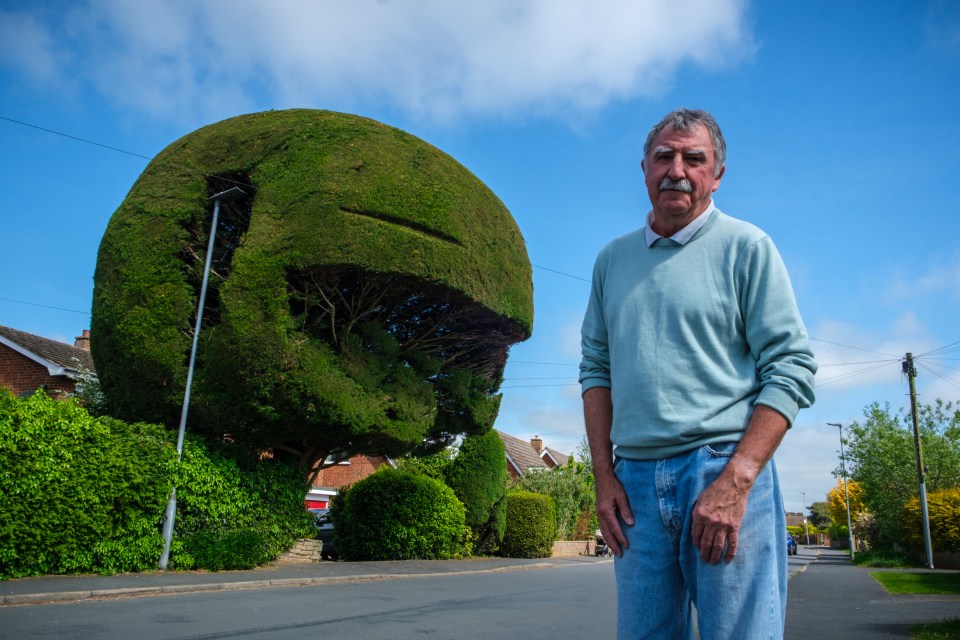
679 173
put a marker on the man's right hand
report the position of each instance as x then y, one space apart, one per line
611 502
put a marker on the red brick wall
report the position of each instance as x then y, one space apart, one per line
343 474
19 373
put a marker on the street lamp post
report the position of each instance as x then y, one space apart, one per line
843 472
171 511
806 529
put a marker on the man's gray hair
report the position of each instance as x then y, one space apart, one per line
685 119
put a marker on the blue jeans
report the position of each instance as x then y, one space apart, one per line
661 572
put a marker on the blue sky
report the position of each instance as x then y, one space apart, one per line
840 119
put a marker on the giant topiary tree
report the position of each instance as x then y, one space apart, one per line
365 290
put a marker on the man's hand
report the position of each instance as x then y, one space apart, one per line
612 500
719 509
716 519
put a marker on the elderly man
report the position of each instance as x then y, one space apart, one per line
695 364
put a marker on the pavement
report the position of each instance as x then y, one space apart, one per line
828 597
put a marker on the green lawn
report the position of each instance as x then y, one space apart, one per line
948 630
910 582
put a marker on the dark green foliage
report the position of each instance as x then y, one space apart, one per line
232 512
478 476
820 514
114 480
231 549
393 515
364 297
531 526
435 465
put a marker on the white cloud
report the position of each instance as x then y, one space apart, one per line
26 46
432 58
940 278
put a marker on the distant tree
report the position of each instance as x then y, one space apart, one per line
583 453
819 514
837 501
478 477
881 458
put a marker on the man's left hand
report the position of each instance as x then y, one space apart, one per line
716 519
719 509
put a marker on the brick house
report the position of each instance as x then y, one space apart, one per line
29 362
330 480
522 456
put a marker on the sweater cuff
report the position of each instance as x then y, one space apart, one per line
781 401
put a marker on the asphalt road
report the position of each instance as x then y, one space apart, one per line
567 601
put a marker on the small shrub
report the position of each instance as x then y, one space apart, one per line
531 526
395 515
234 549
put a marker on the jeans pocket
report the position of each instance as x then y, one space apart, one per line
720 449
617 464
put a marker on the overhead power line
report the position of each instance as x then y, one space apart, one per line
45 306
84 140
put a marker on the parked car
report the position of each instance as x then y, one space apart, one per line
791 545
324 527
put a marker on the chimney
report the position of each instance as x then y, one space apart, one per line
537 443
83 341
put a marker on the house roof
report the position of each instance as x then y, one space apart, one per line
559 458
520 454
59 358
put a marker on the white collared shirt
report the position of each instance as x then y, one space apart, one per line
683 236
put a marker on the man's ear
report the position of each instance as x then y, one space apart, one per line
716 179
643 166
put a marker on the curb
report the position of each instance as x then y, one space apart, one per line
133 592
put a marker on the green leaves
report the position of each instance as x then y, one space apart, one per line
531 526
395 515
85 494
881 458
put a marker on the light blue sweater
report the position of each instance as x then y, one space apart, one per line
689 337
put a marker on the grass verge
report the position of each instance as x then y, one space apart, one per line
909 582
947 630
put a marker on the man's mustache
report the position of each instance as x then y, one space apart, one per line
676 185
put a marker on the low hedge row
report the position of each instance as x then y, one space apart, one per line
85 494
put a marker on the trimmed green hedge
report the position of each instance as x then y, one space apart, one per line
531 526
83 494
395 515
478 476
369 289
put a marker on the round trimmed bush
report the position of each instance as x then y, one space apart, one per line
531 526
395 515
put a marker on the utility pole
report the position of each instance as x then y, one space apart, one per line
910 371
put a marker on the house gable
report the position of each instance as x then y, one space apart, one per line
29 362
